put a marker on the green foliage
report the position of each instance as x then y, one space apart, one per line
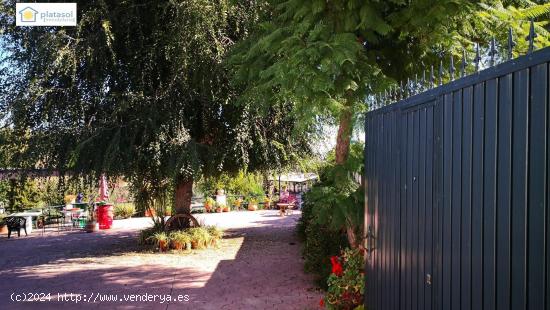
339 199
500 15
138 88
26 195
319 244
124 210
242 184
346 284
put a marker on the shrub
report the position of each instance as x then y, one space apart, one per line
319 243
124 210
346 282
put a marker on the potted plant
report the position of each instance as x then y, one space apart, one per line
267 202
179 239
209 204
161 240
215 235
237 203
226 208
199 237
219 208
252 204
3 226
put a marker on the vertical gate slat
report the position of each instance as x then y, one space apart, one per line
422 209
403 209
379 163
489 194
429 205
447 199
537 189
503 192
466 186
439 114
456 199
520 141
415 209
394 212
385 209
410 163
477 197
548 199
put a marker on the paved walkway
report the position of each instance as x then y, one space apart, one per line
257 267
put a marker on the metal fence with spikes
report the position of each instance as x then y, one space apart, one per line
403 91
457 186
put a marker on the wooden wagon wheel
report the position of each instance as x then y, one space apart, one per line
180 221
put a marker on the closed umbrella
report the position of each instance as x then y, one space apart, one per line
103 189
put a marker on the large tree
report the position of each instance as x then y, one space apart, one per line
327 57
138 88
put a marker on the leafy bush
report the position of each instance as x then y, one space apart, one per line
124 210
320 243
346 282
332 214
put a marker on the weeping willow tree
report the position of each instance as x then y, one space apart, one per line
138 88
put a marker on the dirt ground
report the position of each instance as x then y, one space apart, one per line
258 266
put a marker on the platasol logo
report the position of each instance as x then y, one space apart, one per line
45 14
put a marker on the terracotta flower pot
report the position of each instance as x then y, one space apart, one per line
163 245
207 207
3 229
226 209
252 207
194 244
178 246
219 210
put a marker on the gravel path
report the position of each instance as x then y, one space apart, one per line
257 266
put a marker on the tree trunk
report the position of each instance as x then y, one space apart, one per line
344 136
183 193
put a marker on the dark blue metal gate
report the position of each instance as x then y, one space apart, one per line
457 206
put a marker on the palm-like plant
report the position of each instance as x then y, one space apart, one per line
518 16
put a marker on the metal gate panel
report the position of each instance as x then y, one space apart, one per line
457 208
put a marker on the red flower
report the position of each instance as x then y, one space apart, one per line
321 303
336 266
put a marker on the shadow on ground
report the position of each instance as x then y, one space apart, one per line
265 273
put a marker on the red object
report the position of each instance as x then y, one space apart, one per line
336 266
105 216
321 303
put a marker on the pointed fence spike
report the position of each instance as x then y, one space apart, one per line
478 57
531 37
408 88
493 51
511 43
463 63
452 68
415 85
402 90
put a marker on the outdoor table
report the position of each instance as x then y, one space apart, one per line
28 216
282 208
